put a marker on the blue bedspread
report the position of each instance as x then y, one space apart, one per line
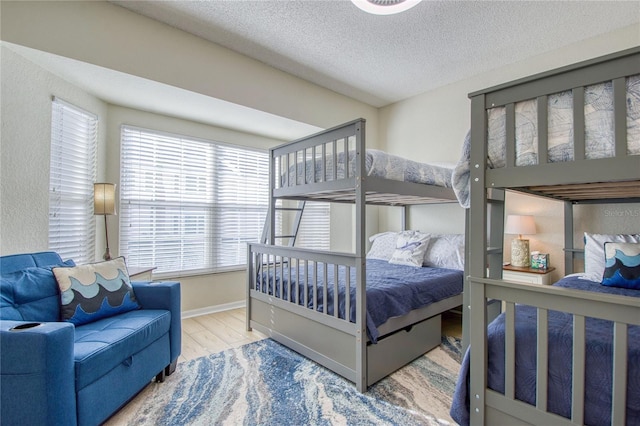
598 362
392 290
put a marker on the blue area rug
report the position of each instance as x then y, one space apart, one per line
265 383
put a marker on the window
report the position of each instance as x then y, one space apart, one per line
189 205
74 135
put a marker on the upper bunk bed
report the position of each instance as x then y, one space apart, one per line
573 135
334 166
346 311
576 132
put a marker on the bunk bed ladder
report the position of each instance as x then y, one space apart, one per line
495 249
295 227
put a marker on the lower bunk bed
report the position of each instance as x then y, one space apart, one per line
309 301
551 340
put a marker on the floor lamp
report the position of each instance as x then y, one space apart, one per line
104 203
517 224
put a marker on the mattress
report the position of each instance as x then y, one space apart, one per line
599 361
377 163
392 290
599 131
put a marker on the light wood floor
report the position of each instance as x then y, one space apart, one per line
212 333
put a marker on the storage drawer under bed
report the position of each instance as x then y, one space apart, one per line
397 349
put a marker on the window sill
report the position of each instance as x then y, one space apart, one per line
165 276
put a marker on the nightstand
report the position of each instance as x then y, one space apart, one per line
527 275
142 273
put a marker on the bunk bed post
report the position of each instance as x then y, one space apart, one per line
250 273
405 218
271 214
361 304
474 293
569 252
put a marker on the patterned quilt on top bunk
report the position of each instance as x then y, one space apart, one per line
599 361
392 290
377 163
599 131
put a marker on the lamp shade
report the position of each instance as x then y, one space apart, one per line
518 224
104 198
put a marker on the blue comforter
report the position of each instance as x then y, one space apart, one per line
392 290
599 349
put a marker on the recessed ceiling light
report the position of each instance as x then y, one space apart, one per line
385 7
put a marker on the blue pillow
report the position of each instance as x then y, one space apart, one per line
95 291
622 265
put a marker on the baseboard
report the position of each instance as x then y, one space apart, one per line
213 309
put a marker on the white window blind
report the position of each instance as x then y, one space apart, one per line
189 205
314 227
74 134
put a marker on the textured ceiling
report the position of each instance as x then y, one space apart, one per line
384 59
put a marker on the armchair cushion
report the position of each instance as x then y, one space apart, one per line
30 294
101 345
95 291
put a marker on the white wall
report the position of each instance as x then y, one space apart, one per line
110 36
25 145
432 127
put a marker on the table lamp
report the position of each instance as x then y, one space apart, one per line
519 224
104 203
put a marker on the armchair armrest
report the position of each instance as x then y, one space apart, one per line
37 376
163 295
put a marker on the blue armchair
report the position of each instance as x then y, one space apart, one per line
56 373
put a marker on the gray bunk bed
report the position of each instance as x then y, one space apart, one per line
595 381
316 302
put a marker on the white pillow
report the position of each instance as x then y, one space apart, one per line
594 262
383 245
445 251
410 249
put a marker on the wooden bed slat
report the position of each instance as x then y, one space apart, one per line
347 292
542 377
620 116
281 279
510 123
510 351
336 294
323 164
619 387
325 291
543 129
596 190
578 124
578 377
